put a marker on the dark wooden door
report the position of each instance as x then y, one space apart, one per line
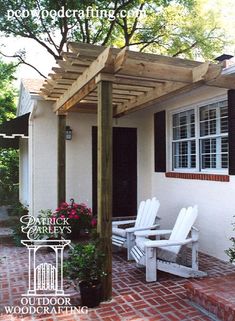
124 171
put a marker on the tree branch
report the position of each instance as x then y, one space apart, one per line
185 50
30 35
112 24
45 29
22 61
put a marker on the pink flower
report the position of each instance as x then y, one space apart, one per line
93 222
76 216
73 212
62 216
53 219
64 205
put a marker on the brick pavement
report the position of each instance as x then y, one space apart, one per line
133 298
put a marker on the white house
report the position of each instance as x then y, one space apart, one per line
180 149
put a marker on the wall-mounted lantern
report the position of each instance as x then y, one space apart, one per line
68 133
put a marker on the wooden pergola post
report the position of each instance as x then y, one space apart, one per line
104 201
61 169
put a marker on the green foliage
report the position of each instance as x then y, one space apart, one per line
9 172
18 235
85 263
18 210
42 230
7 92
173 27
9 176
231 251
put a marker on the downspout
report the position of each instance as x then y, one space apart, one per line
31 159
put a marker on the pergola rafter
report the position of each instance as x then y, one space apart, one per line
139 79
112 83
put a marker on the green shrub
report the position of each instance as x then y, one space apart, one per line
85 263
9 176
231 251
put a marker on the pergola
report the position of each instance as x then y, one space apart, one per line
113 82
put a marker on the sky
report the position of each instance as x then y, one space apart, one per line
36 55
39 57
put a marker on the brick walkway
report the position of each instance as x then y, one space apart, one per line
133 298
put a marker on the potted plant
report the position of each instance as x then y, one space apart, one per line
79 215
85 266
231 251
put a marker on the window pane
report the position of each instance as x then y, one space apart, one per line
224 119
184 125
204 128
214 153
224 161
224 152
214 119
224 145
183 132
224 125
208 153
176 120
184 155
204 113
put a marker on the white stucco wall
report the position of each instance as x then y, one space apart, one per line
43 158
216 204
23 172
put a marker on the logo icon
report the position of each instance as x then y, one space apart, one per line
44 278
47 278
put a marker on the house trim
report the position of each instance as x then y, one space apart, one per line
201 176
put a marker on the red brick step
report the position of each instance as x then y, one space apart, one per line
215 294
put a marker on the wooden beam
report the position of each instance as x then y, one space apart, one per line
201 74
159 71
159 94
86 49
136 88
136 81
104 202
104 62
89 87
61 167
223 81
66 66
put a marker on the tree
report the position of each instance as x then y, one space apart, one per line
173 27
9 159
7 92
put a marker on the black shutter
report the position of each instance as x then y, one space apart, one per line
160 141
231 131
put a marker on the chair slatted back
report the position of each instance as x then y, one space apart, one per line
182 227
140 212
147 215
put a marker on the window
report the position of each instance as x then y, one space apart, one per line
200 138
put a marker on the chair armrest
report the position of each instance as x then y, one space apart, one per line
165 243
133 229
153 233
117 223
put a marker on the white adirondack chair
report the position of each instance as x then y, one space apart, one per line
146 220
162 254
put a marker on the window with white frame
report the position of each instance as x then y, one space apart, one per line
200 138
